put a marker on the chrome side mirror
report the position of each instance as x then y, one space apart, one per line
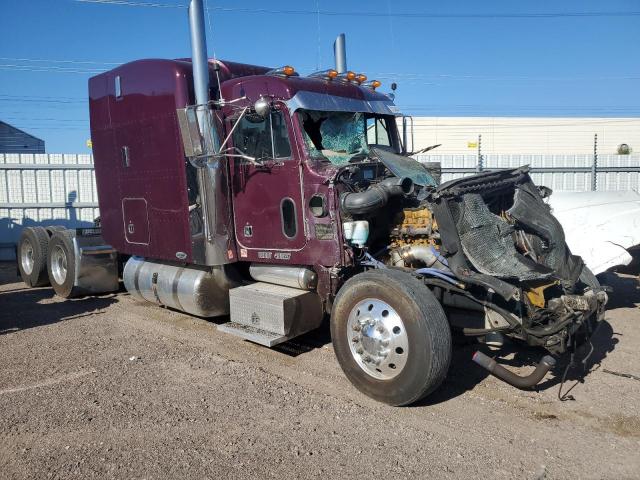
262 107
407 133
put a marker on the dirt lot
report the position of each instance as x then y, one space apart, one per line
110 388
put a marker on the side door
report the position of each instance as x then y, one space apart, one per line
267 194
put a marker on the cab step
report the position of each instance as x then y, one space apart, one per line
271 314
255 335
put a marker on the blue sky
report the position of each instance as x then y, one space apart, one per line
449 59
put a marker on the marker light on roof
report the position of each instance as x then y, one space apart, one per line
373 84
325 74
286 71
361 77
351 76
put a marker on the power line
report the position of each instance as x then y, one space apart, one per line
29 100
41 97
371 14
27 119
44 68
410 78
46 60
446 76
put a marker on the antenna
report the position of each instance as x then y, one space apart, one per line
216 66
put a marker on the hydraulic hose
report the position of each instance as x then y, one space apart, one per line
513 379
437 273
376 196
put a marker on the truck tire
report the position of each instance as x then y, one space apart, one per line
61 264
32 256
391 336
51 229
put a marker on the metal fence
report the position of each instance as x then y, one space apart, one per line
44 189
60 189
558 172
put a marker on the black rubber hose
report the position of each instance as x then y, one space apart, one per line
513 379
478 332
397 186
376 196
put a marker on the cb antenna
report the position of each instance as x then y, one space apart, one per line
216 65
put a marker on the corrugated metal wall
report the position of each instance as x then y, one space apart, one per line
553 171
57 189
508 135
44 189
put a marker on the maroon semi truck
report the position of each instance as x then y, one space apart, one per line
277 199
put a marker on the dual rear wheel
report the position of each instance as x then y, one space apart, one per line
32 256
46 256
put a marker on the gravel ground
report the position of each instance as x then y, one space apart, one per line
106 387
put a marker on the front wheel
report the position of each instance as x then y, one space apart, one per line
391 336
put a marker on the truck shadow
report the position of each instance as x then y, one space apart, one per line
27 308
626 290
465 375
312 340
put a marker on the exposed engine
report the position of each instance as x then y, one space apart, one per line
487 243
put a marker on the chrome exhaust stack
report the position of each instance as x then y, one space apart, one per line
201 145
340 53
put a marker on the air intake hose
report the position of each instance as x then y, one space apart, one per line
376 196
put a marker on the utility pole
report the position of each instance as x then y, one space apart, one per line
594 166
480 166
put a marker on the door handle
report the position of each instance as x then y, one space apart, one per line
125 155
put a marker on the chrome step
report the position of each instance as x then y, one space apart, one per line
271 314
253 334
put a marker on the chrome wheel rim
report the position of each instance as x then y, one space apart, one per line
377 339
59 265
26 257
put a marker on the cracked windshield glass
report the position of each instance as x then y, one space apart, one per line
344 137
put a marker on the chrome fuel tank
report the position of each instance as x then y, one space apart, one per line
202 291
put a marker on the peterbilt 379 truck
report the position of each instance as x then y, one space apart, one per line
277 199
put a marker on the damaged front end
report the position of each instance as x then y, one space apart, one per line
486 245
498 233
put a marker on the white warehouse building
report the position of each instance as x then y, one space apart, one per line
525 135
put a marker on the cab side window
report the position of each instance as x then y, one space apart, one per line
262 138
377 132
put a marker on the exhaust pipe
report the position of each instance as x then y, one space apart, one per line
523 383
212 247
200 67
340 53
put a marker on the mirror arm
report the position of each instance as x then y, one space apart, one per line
252 160
244 110
222 103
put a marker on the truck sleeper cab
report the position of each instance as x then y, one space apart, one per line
300 201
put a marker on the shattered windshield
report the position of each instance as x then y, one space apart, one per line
342 137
